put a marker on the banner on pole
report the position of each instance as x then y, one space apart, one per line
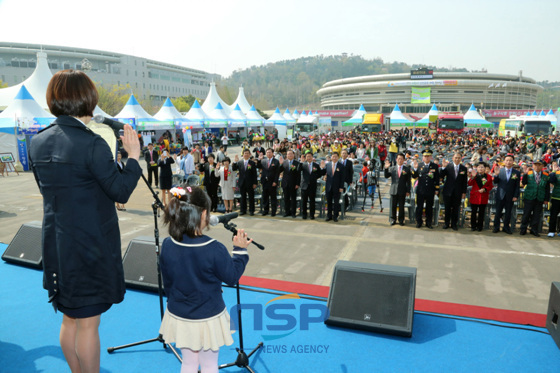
420 95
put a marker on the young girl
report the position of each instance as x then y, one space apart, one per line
481 183
193 267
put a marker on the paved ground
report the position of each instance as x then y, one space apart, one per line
485 269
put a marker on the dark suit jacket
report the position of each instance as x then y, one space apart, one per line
269 175
335 181
210 178
309 179
507 189
247 177
290 175
427 185
454 186
76 174
348 170
399 185
147 156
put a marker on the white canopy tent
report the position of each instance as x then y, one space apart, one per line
254 119
474 120
36 84
22 118
168 112
241 100
356 118
397 119
134 111
279 122
213 99
237 118
295 114
289 118
218 118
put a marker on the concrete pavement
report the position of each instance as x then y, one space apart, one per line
484 269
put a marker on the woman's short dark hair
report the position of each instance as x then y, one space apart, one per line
183 213
226 159
73 93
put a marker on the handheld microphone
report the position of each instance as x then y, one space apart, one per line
215 219
115 125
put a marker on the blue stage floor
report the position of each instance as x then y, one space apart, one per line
29 338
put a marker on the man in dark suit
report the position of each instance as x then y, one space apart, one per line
507 180
427 173
151 158
291 178
270 167
348 168
400 187
310 172
334 187
454 189
537 192
247 181
211 182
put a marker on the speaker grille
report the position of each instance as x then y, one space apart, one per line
26 247
553 312
372 297
140 264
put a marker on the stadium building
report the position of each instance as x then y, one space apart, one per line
149 79
417 91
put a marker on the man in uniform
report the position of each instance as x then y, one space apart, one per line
537 193
427 174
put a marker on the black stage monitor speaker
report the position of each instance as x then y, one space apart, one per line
373 297
553 312
25 248
140 264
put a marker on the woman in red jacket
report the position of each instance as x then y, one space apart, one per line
481 183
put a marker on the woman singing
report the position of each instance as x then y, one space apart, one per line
77 176
193 267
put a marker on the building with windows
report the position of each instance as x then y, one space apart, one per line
149 79
450 91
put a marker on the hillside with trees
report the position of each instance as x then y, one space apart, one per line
294 83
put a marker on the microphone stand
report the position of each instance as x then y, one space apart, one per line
242 360
155 205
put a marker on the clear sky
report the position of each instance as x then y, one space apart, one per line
503 36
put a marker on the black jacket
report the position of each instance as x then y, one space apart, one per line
247 177
335 181
454 186
290 175
269 175
210 178
80 184
428 178
348 170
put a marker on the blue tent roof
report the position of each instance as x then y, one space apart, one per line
24 94
195 105
132 100
287 111
535 112
252 108
528 114
168 102
295 111
434 107
550 112
542 113
219 106
472 107
277 110
397 108
236 107
361 108
303 113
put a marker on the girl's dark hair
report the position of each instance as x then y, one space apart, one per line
183 213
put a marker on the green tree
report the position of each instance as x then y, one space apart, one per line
2 84
113 98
